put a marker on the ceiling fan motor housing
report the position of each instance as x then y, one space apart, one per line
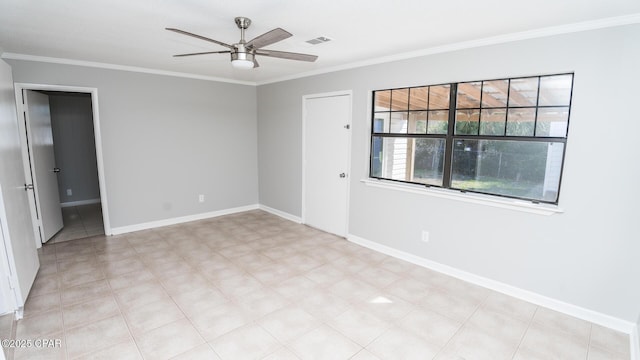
241 53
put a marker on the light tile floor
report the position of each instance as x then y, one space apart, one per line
255 286
6 331
80 222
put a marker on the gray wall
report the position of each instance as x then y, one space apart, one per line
166 140
587 256
74 146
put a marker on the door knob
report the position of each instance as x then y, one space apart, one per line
56 170
343 175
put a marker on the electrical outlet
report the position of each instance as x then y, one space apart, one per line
69 192
201 198
425 236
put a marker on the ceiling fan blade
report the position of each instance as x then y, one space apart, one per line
269 38
287 55
199 37
204 53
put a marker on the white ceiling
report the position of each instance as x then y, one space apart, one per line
131 32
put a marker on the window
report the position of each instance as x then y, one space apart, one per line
502 137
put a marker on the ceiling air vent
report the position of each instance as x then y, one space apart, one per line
318 40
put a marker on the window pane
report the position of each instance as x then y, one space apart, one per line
376 156
492 121
438 122
408 159
520 122
400 99
494 93
390 157
555 90
383 100
417 122
552 121
399 122
467 122
521 169
418 98
381 122
428 161
439 97
523 92
469 95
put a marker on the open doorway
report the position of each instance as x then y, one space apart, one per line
75 207
75 156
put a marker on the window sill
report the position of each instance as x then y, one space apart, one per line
511 204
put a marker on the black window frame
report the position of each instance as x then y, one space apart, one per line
451 137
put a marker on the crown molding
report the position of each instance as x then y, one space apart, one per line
53 60
493 40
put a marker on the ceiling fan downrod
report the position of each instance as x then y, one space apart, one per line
243 23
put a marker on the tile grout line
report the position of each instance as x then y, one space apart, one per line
112 293
64 328
183 313
589 341
460 328
525 333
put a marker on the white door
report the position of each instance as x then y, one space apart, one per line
19 246
7 294
43 167
327 122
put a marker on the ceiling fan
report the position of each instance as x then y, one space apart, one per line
243 54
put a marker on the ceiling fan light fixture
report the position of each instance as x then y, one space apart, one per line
242 64
242 60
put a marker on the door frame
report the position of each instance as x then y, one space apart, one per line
348 154
19 87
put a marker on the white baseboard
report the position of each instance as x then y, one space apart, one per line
557 305
80 202
282 214
179 220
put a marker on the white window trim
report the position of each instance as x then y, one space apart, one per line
488 200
